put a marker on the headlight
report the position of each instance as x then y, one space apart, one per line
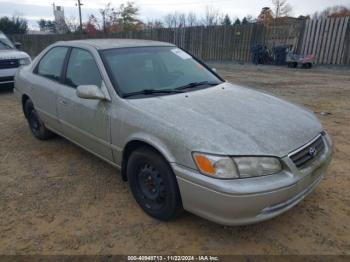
237 167
25 61
257 166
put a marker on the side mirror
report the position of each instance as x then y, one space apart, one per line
18 45
90 92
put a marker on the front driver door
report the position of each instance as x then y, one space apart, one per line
84 121
45 84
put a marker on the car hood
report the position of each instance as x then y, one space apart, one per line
12 54
233 120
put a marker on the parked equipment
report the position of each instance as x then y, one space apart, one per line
280 54
261 54
293 60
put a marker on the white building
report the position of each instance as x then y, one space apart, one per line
58 13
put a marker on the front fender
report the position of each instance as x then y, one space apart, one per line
153 141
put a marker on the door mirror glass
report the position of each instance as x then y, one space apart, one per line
90 92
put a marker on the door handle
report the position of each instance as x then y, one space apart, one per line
64 102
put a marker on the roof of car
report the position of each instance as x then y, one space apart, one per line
115 43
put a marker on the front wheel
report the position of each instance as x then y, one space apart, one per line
153 184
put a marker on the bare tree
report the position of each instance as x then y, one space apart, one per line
158 23
176 19
192 19
281 8
72 23
334 11
211 16
182 20
109 16
168 19
93 20
173 20
154 24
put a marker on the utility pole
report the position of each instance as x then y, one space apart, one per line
81 23
103 13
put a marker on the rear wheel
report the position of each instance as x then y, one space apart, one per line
307 65
292 64
35 123
153 184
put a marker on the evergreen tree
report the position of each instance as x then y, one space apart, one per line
226 21
237 22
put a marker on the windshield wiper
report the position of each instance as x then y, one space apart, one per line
151 92
196 84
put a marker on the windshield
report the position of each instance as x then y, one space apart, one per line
155 68
5 43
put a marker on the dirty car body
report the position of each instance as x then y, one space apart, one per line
238 156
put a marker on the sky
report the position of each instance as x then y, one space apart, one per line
33 10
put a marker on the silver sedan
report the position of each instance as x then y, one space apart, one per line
183 137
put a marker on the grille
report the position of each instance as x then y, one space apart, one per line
308 154
6 79
9 63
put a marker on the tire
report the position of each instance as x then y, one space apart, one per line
153 184
307 65
35 123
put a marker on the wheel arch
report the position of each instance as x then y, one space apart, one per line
24 99
135 144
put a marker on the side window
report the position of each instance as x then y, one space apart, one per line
51 64
82 69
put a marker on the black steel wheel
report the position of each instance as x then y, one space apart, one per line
151 187
153 184
36 125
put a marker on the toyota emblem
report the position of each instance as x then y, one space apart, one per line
312 151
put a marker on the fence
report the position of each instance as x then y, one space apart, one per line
328 39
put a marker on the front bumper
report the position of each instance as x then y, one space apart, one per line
7 76
250 200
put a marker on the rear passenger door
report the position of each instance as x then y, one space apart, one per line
84 121
45 84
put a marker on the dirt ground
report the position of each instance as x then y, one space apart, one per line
55 198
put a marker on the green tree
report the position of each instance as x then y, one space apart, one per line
226 21
237 22
13 25
244 21
128 16
47 25
119 19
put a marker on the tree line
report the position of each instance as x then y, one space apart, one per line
125 17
